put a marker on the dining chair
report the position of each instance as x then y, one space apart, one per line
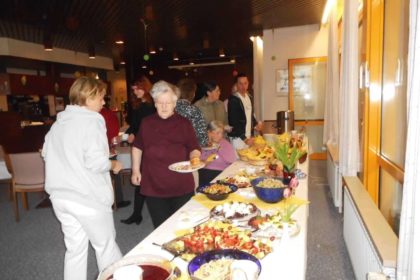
28 175
5 171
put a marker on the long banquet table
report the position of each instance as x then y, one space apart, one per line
288 259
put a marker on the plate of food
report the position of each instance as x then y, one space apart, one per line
234 212
213 235
272 226
186 166
237 180
217 191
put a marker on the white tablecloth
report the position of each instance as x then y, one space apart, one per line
288 259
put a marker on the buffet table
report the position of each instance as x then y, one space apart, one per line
288 259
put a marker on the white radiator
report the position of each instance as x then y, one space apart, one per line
334 181
362 253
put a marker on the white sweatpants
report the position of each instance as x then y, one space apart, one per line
81 224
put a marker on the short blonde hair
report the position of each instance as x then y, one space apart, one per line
84 88
215 125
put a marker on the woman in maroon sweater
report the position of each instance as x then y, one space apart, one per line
164 138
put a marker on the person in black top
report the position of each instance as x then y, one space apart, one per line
241 113
141 89
144 108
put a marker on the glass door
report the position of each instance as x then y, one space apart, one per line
307 85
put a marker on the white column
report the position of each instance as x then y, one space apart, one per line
258 72
349 129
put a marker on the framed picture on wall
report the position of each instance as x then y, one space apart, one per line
282 82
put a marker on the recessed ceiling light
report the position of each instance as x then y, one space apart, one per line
119 42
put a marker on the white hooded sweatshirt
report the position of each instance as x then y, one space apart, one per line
76 155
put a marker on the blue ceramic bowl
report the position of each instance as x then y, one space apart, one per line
206 257
217 196
270 195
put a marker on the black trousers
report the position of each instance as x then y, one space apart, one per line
161 208
207 175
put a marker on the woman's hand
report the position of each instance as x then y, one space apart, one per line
195 154
136 178
116 166
131 138
249 141
259 127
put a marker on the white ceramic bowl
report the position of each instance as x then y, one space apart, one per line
146 259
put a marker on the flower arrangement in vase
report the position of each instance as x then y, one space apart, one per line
288 157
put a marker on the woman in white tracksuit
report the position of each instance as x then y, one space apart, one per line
77 168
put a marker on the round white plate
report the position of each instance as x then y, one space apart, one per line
185 166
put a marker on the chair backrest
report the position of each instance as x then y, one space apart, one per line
27 168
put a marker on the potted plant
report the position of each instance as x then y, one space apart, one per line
288 157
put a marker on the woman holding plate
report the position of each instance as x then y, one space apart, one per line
164 138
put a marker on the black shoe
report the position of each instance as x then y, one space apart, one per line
132 219
123 203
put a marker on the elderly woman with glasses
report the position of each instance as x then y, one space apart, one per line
164 138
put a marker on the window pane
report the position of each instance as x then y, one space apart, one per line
309 90
394 87
390 199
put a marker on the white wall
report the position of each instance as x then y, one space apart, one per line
287 43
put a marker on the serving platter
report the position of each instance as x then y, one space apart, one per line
271 226
234 212
239 181
213 235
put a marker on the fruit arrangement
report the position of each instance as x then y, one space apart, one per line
256 155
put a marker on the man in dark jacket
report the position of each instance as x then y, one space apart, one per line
241 113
